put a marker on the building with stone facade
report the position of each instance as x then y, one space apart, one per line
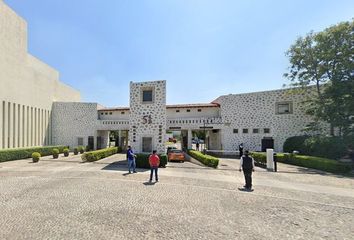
37 109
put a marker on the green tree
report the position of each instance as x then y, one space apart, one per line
325 61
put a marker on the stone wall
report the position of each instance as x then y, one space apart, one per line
72 121
258 111
147 119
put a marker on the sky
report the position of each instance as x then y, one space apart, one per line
203 48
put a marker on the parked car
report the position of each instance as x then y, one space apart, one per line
170 148
176 155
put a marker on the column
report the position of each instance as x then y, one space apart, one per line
11 127
6 125
20 126
189 137
1 124
120 138
25 126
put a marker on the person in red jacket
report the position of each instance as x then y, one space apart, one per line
154 161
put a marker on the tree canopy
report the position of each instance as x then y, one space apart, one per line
325 61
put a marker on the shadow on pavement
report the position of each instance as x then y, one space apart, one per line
149 183
121 166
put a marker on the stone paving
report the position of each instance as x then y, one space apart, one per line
67 199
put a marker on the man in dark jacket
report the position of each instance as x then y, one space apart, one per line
247 165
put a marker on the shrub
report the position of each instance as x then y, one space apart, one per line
22 153
260 159
36 156
320 146
295 143
66 152
142 160
319 163
81 149
76 151
55 153
87 148
98 154
207 160
120 149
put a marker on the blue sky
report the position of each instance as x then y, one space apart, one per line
203 48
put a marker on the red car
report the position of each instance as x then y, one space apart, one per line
176 155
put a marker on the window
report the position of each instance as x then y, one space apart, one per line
122 113
255 130
284 108
147 95
266 130
80 141
199 110
188 110
147 144
245 130
110 113
236 130
105 113
101 113
177 110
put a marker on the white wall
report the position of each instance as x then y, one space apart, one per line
29 87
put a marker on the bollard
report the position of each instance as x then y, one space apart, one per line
275 162
270 161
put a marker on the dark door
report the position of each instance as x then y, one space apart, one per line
267 142
90 142
99 142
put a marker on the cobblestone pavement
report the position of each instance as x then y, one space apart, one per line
67 199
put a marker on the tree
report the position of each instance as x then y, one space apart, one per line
324 63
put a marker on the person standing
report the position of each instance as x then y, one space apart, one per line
131 159
240 149
154 162
247 165
197 145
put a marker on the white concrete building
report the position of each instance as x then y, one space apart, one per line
37 109
28 88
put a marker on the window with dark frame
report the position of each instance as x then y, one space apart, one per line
255 130
188 110
199 110
245 130
235 130
266 130
177 110
284 108
147 95
122 113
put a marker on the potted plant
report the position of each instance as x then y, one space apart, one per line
36 156
55 153
76 151
66 152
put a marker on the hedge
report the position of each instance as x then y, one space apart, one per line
98 154
319 146
319 163
22 153
207 160
142 160
260 159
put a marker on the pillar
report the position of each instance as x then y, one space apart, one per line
270 160
189 139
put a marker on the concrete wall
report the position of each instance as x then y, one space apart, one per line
29 87
193 112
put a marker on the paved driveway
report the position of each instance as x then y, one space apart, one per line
66 199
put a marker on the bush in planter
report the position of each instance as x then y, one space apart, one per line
55 153
142 160
81 149
36 156
66 152
76 151
87 148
